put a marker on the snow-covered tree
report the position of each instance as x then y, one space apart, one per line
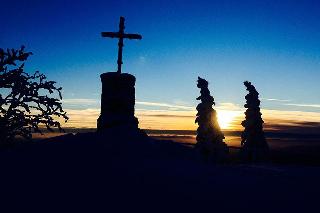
209 135
254 145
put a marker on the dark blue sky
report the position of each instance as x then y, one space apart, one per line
274 44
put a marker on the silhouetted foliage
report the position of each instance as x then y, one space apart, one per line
24 102
254 144
209 135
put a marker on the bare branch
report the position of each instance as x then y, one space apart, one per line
23 110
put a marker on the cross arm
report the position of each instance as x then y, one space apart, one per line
110 34
120 35
132 36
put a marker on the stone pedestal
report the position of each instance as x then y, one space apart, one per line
117 101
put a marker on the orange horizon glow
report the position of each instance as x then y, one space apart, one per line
229 118
161 120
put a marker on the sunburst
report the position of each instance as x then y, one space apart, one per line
225 118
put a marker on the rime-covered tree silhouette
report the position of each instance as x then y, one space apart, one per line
209 135
27 102
254 145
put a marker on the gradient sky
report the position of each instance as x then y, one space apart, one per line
273 44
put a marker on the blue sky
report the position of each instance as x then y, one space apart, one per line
274 44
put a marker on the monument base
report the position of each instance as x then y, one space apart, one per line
117 101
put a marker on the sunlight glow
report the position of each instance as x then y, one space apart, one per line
225 118
229 119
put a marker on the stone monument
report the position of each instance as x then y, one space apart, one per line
118 92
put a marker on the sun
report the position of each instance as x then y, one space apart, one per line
225 118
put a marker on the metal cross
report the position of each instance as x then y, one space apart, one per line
121 35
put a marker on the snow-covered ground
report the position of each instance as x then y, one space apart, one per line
111 172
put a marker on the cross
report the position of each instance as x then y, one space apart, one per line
121 35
